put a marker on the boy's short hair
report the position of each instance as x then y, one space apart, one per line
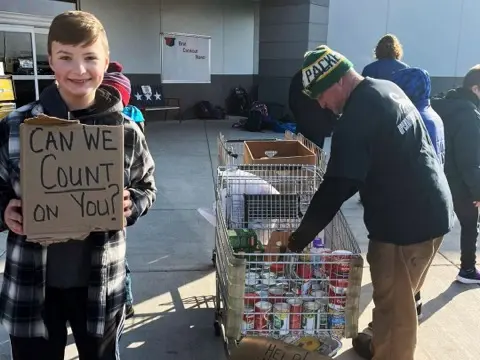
76 28
472 78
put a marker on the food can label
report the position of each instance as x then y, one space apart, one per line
308 323
248 323
280 323
336 323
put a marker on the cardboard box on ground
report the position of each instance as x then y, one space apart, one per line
262 348
71 179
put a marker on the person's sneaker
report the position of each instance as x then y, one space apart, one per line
469 276
362 344
129 312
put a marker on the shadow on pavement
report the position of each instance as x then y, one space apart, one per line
436 304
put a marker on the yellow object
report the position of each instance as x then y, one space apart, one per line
309 343
7 92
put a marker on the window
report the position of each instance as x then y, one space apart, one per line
16 52
37 7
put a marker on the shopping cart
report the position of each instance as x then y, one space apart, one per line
231 151
309 299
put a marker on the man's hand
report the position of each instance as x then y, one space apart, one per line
13 216
294 245
127 204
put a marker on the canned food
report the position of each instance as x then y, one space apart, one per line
281 318
276 295
309 318
278 269
336 323
341 262
269 275
261 287
325 267
251 278
296 307
336 301
322 314
284 284
339 286
269 282
248 322
262 295
251 299
262 309
289 294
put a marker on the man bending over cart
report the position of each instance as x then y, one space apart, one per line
380 147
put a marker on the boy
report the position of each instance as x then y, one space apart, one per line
82 282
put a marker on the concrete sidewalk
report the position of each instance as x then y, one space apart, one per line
169 252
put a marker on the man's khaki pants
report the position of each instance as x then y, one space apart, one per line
398 273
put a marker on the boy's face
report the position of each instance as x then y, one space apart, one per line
79 69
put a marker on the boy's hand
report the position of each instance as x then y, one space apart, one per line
13 216
127 204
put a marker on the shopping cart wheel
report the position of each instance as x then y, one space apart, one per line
218 328
214 258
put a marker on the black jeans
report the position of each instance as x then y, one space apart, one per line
69 305
467 215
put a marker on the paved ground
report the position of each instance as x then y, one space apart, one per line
169 252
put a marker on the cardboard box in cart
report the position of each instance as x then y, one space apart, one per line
71 178
287 152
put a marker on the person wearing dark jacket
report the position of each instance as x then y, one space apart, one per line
313 122
388 55
461 118
381 148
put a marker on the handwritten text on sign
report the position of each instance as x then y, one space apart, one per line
76 175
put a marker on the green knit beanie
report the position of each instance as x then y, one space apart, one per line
322 68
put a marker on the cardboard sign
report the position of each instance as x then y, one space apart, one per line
71 178
261 348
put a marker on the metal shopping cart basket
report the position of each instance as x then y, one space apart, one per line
309 299
230 153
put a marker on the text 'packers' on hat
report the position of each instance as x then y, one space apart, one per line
322 68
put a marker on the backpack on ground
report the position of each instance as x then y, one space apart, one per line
238 102
205 110
256 120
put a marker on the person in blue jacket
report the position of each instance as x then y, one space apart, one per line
388 55
121 83
115 78
416 84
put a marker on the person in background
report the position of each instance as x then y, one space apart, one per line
313 122
114 77
381 148
388 55
416 84
461 119
80 283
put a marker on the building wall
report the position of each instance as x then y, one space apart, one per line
134 33
446 52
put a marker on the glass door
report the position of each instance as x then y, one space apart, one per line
17 52
44 74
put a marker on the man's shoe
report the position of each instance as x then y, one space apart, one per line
129 312
362 344
471 276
